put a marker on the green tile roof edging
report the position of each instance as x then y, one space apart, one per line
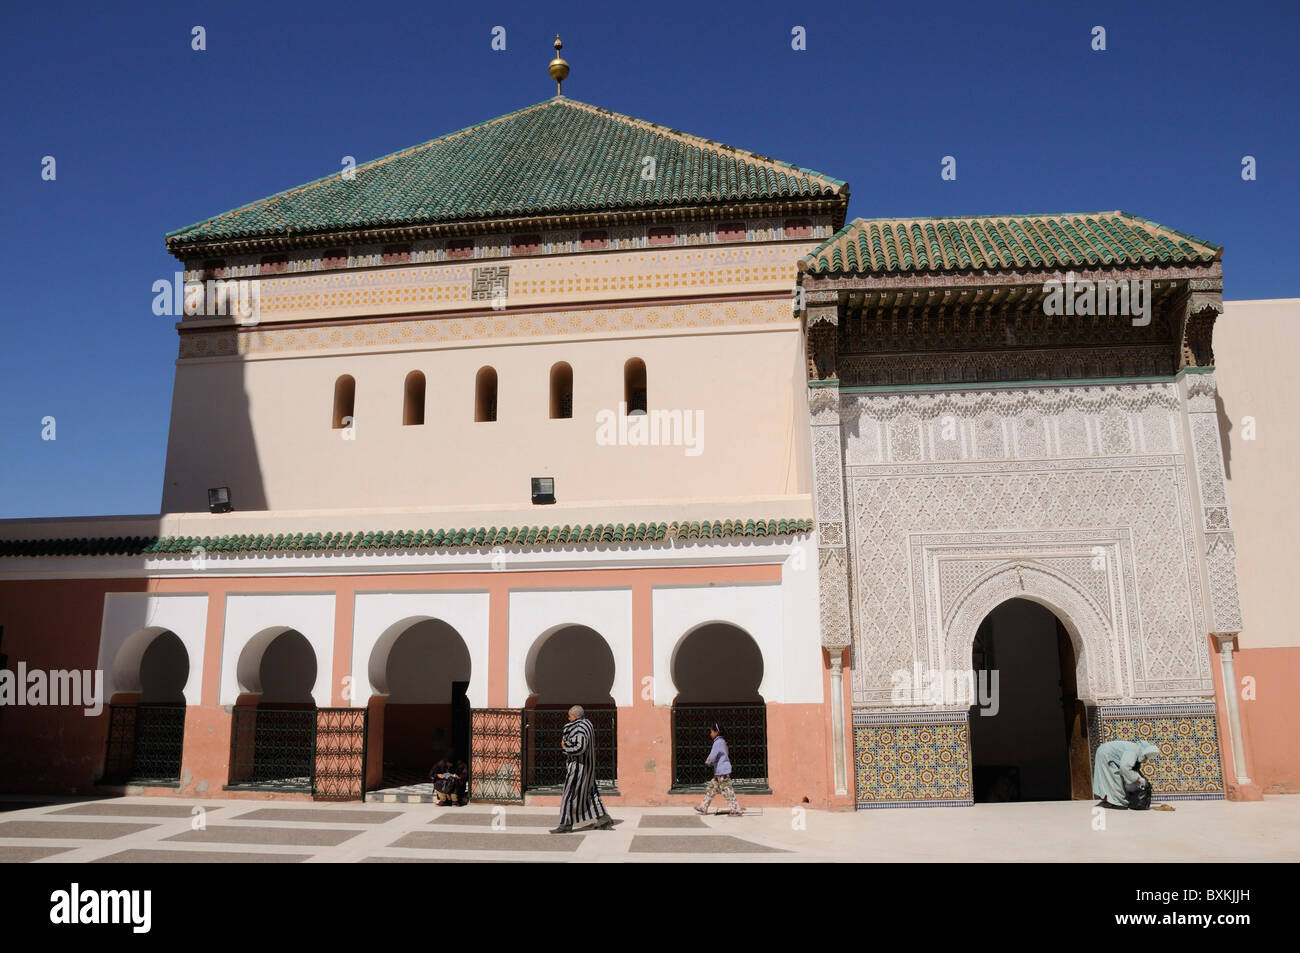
471 538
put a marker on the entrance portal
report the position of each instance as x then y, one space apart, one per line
1034 748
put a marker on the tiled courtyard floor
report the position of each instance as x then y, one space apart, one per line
136 829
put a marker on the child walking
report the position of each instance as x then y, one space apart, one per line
720 760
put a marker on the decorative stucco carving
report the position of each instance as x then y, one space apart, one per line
828 504
1092 635
833 577
1020 423
1058 477
1216 518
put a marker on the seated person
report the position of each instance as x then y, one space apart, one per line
449 778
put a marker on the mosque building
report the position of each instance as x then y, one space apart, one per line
568 407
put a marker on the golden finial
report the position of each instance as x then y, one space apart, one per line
558 69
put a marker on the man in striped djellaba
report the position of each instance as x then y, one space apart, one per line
581 801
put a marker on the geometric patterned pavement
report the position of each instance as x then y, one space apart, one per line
144 830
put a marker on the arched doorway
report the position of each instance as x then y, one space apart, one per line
147 714
1027 727
423 668
717 669
273 727
570 665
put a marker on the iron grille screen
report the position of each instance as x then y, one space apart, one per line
121 744
544 759
745 731
272 748
340 759
496 754
144 745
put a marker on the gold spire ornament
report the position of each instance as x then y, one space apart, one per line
558 69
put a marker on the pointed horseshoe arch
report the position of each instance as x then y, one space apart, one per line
1091 634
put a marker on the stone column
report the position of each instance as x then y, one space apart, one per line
837 720
1225 640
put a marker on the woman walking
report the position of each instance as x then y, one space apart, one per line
720 760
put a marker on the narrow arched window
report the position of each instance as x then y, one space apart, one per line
485 395
561 391
345 398
634 387
413 401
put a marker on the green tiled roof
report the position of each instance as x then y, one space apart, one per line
888 246
472 538
557 157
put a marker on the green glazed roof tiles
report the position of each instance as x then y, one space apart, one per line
386 540
472 538
998 242
557 157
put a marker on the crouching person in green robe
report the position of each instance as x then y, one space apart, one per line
1118 764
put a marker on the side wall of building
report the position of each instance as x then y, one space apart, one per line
1254 347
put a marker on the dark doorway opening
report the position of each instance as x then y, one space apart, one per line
426 714
1034 748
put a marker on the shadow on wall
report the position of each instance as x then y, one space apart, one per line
1225 429
571 666
55 625
210 441
718 664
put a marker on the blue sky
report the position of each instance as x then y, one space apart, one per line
149 135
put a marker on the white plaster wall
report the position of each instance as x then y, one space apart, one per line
247 615
534 613
126 613
376 612
801 617
758 609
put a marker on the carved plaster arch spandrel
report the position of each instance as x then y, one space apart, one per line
1093 638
